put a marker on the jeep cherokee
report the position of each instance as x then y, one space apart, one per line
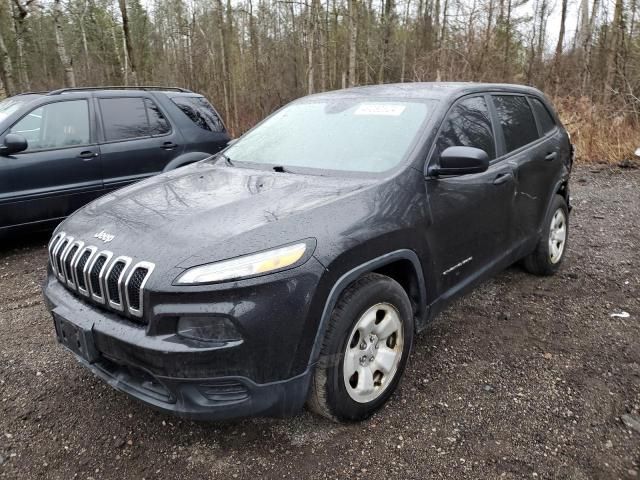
297 264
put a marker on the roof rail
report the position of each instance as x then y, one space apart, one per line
44 92
118 87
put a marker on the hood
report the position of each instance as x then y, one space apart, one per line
207 212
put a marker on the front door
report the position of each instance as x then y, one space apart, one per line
58 172
470 214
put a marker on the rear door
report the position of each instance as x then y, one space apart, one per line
137 139
532 148
60 170
470 213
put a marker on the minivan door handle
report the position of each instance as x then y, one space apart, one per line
551 156
502 178
88 155
168 145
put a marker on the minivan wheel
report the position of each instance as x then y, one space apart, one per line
365 350
549 253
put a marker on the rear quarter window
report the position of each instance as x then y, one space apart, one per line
517 121
542 114
200 112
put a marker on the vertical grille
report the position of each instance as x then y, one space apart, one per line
110 282
67 262
94 276
114 280
82 262
134 286
52 249
58 255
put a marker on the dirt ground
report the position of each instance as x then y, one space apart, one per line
525 378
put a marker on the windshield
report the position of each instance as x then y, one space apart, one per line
349 135
11 104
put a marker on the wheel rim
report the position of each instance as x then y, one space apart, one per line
373 353
557 236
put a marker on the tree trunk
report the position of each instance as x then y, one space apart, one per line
69 74
387 19
7 69
353 37
130 63
20 13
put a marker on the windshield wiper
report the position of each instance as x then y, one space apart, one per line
280 169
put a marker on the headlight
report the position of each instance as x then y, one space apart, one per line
242 267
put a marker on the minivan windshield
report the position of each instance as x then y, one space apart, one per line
347 134
11 104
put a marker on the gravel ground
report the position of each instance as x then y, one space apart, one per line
525 378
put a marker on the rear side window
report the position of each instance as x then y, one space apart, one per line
131 117
56 125
200 112
468 124
544 117
157 121
516 118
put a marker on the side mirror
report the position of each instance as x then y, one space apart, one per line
637 152
13 143
461 161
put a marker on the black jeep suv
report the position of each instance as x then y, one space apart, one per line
297 264
62 149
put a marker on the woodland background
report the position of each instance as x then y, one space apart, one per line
249 57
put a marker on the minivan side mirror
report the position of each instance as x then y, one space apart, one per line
13 143
461 161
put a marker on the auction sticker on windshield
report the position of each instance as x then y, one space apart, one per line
379 109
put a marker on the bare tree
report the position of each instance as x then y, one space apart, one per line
58 17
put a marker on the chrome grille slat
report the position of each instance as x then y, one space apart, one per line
115 297
114 283
51 248
65 246
84 289
96 274
70 257
133 292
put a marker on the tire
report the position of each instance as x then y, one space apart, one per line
545 260
377 304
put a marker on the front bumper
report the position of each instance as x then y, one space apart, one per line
190 379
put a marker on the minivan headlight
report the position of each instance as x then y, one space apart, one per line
243 267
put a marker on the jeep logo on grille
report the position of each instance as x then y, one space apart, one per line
104 236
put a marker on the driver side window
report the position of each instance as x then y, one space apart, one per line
57 125
468 124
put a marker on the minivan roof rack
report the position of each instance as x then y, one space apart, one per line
118 87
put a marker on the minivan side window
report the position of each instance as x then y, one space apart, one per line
56 125
200 112
544 117
468 124
516 118
125 118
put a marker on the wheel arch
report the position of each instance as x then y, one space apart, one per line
403 265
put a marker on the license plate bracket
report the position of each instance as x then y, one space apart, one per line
76 336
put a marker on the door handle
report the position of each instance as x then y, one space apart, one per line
551 156
168 145
88 155
502 178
